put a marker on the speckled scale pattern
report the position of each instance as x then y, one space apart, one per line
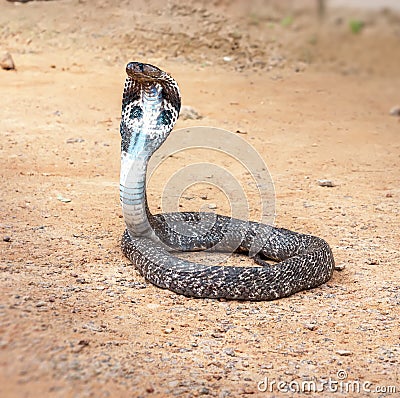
304 261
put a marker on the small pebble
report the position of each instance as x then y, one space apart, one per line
3 344
40 304
7 238
74 140
6 62
168 330
340 267
395 111
212 206
77 349
62 199
310 326
267 366
204 391
188 112
230 352
344 353
326 183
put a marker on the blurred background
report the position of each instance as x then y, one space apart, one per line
347 36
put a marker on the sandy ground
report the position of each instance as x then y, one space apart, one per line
312 98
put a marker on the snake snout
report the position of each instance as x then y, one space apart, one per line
138 69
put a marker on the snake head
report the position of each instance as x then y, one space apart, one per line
150 107
143 72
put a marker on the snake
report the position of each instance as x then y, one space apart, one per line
285 262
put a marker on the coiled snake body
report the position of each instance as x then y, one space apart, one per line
150 108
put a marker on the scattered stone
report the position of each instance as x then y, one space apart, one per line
168 330
3 344
7 238
326 183
77 349
267 366
395 111
310 326
204 391
344 353
73 140
62 199
81 280
340 267
240 132
40 304
230 352
300 67
227 59
188 112
149 389
212 206
6 62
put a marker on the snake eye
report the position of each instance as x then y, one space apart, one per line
164 118
136 112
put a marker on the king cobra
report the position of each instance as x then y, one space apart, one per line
150 108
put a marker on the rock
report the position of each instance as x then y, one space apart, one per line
188 112
6 62
7 238
326 183
62 199
204 391
344 353
212 206
73 140
230 352
310 326
340 267
168 330
267 366
3 343
150 389
300 67
395 111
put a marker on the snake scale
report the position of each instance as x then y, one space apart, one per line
150 107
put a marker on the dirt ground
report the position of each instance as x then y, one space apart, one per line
311 96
